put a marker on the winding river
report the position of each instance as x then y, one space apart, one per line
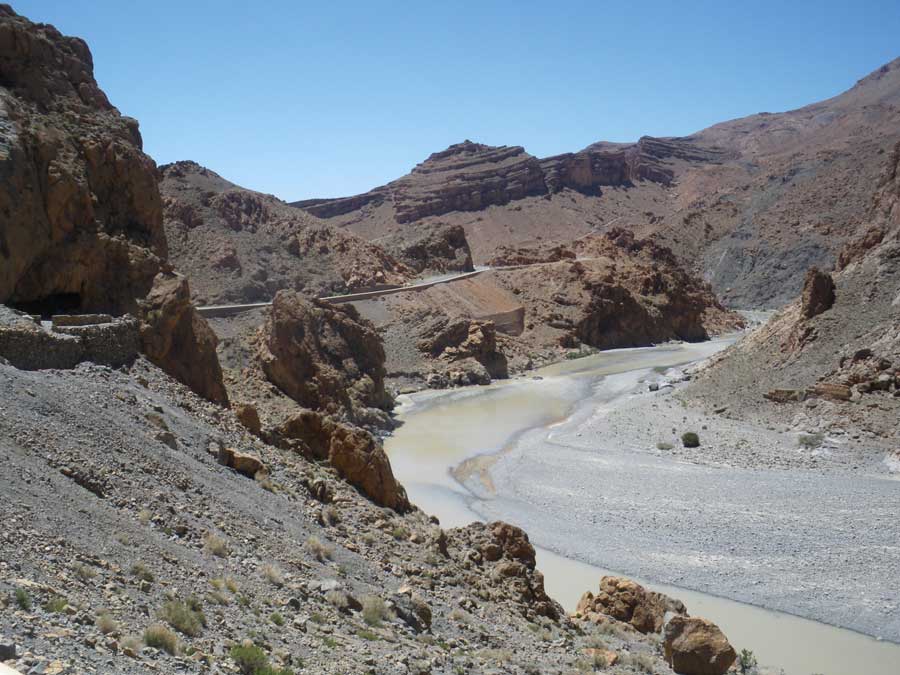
450 443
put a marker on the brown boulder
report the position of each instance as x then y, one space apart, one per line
354 452
245 464
247 415
695 646
178 340
629 602
326 358
818 293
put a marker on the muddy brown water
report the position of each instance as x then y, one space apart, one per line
454 435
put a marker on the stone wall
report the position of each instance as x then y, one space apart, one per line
28 345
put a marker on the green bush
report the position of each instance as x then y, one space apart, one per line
23 600
252 660
747 662
690 440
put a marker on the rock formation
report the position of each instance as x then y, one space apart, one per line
465 339
82 219
818 293
434 248
355 453
325 357
627 601
83 227
695 646
177 339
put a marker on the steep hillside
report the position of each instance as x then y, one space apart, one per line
243 246
830 361
760 199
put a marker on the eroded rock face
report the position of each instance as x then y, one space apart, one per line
695 646
818 293
465 339
326 358
178 340
627 601
354 452
82 218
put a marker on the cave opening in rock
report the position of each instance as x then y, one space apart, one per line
46 307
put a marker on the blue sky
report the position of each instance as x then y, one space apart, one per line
333 98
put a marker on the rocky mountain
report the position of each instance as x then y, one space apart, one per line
831 359
748 204
242 246
81 226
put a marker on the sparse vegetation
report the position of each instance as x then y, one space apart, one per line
55 604
215 545
140 572
330 515
276 618
144 516
23 600
366 634
338 599
640 661
374 610
106 623
690 439
320 550
273 575
400 533
160 637
747 663
664 446
185 617
85 573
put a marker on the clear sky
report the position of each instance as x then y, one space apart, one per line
332 98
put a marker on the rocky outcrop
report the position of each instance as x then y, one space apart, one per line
818 293
505 559
627 601
509 256
354 453
622 291
82 218
462 339
695 646
435 248
178 340
326 358
242 462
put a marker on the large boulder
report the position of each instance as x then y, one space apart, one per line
818 293
326 358
178 340
627 601
696 646
355 453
